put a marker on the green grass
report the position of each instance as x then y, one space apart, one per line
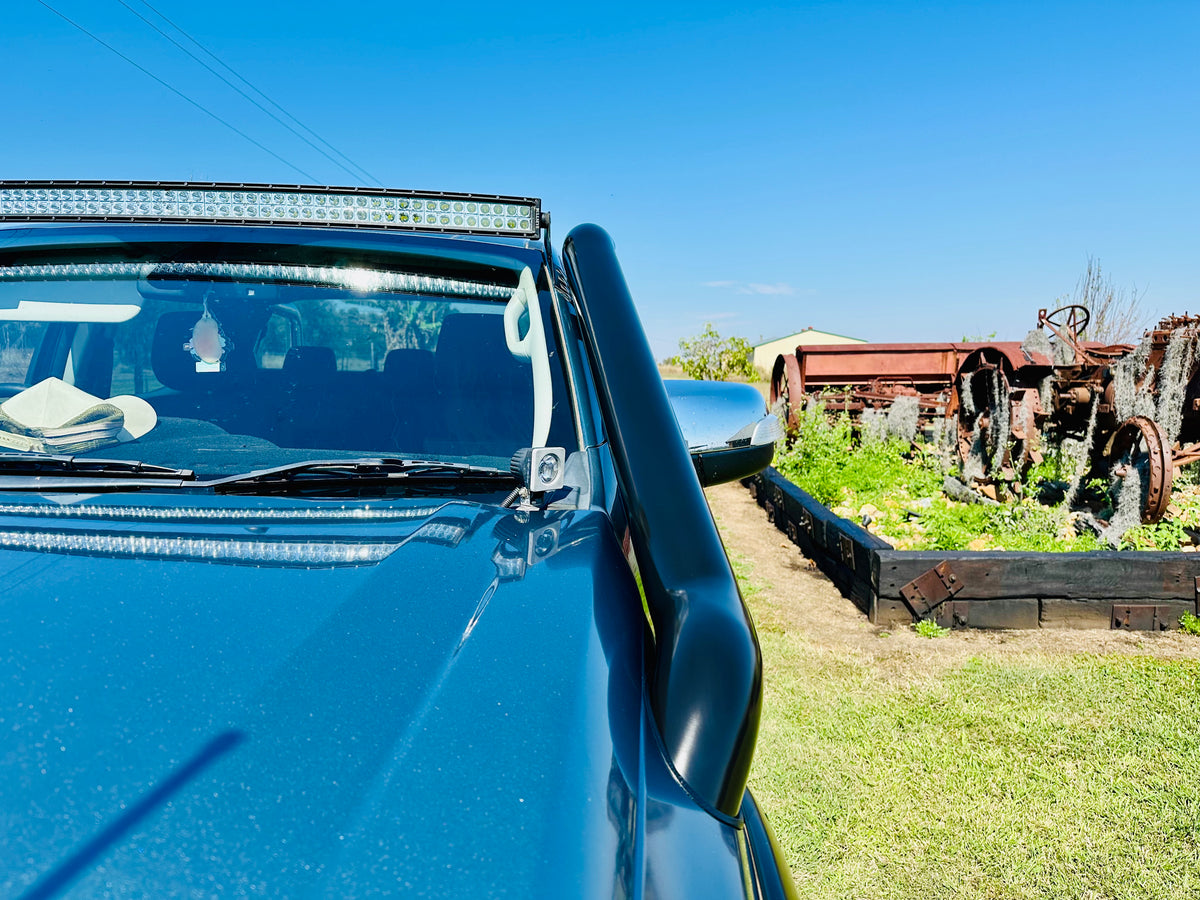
1041 778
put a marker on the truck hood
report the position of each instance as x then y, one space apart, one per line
460 715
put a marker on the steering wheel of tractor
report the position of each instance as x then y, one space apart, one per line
1073 317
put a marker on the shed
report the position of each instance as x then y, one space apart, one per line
765 353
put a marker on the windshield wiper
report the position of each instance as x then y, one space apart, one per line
373 471
47 472
82 466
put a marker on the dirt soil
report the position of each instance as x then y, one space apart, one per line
798 598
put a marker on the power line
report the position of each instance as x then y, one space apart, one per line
184 49
256 90
178 92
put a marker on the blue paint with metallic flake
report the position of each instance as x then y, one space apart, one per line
481 713
437 724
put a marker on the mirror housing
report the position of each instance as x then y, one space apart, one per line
726 426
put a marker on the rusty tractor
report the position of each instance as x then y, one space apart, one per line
856 377
1124 410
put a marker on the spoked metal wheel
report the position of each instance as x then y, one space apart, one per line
786 383
990 448
1138 449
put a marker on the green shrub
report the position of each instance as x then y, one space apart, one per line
710 357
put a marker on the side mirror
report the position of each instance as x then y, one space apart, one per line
729 433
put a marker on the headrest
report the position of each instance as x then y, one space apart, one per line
472 354
408 366
481 330
175 367
309 364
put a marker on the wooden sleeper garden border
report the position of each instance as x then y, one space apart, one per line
1132 590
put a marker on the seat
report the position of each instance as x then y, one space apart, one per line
220 397
309 365
307 406
485 394
408 383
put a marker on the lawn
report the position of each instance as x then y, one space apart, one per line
1038 775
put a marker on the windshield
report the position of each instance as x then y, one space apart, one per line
222 365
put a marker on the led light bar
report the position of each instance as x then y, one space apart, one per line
361 280
441 533
268 204
222 514
284 553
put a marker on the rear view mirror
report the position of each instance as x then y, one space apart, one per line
729 433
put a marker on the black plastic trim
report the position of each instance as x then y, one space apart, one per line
768 868
706 683
733 464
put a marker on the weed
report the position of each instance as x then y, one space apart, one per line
1165 535
930 629
898 487
1172 533
1189 624
829 463
1054 466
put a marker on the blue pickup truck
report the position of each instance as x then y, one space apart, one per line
352 546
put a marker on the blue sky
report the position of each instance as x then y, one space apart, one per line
894 171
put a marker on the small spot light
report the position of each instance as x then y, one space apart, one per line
540 469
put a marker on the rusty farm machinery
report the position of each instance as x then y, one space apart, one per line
1118 410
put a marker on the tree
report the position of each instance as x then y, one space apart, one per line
1117 314
411 324
709 357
